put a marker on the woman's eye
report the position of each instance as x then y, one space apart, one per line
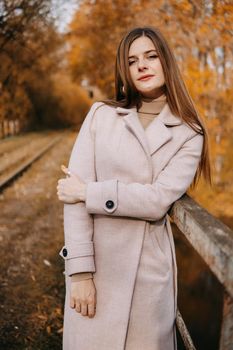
153 56
148 57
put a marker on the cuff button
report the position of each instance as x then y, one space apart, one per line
109 204
64 252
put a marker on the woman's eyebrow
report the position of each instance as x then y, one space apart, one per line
153 50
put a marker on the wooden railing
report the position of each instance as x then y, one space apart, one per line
9 128
214 242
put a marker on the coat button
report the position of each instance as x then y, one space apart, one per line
64 252
109 204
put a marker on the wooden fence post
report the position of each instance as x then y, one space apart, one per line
226 340
5 128
1 130
11 127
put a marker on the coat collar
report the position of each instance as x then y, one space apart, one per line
156 134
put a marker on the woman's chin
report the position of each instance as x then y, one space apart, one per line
151 92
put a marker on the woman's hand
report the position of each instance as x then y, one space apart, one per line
71 189
83 297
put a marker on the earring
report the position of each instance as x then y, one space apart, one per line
123 90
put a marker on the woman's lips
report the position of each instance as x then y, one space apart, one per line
147 77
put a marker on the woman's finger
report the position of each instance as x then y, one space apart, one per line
84 309
78 307
65 170
61 197
72 303
91 309
60 181
69 173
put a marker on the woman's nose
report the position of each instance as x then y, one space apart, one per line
142 64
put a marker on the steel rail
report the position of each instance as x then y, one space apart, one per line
7 180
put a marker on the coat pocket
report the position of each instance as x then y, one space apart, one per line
160 241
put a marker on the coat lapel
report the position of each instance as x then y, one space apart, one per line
156 134
133 123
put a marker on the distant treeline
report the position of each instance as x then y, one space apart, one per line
34 85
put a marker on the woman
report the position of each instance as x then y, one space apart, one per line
133 158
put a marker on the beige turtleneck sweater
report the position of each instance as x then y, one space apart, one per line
150 109
147 112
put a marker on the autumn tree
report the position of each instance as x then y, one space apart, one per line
93 38
31 54
202 39
20 23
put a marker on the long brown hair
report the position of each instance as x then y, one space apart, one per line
177 94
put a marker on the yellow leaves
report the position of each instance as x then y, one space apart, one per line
42 317
27 62
218 201
198 81
95 32
74 101
184 6
213 123
202 41
204 29
14 104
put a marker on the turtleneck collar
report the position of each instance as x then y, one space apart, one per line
149 99
153 106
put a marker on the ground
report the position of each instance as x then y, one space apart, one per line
31 236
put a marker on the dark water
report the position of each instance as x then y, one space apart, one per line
200 296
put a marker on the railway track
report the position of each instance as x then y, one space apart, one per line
8 145
18 159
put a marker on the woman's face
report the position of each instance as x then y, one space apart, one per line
145 67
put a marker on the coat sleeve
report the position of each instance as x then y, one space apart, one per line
148 201
78 251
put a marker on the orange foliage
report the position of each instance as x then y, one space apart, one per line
200 34
31 55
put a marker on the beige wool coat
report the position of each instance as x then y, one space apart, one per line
122 232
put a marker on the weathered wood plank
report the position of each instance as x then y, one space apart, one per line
210 237
188 343
226 341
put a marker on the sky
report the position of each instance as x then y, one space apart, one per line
63 10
